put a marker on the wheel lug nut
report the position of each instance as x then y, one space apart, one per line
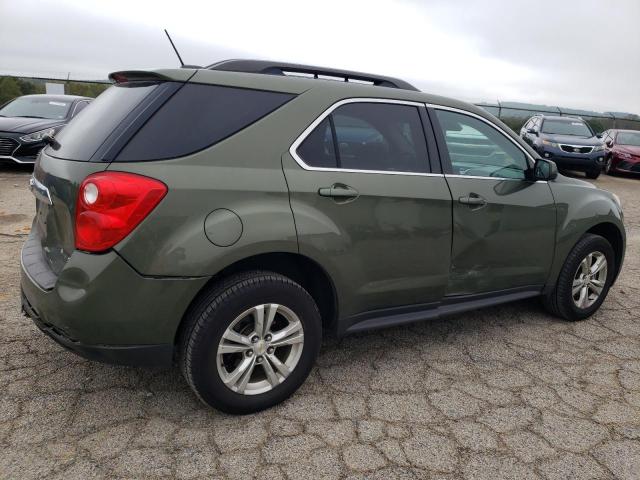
268 337
270 350
254 339
259 359
249 353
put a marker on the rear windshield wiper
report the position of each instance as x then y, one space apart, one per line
30 116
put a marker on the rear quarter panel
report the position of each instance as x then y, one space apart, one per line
242 174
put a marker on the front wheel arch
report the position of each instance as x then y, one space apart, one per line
612 234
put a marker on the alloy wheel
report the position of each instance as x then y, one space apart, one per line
589 280
260 349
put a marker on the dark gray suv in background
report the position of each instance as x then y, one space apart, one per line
568 141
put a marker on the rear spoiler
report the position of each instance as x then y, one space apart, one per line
126 76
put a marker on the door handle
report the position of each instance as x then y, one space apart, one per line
473 200
339 191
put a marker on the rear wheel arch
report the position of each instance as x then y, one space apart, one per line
299 268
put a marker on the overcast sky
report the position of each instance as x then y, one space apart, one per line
572 53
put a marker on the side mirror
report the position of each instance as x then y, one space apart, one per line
545 169
532 131
598 135
609 143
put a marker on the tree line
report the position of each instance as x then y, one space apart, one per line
12 87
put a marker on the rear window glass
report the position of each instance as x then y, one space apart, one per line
82 137
198 116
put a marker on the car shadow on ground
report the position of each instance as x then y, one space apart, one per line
468 338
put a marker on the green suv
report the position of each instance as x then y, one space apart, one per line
223 218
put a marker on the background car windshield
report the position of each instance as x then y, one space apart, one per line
566 127
36 107
629 138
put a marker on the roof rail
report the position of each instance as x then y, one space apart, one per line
280 68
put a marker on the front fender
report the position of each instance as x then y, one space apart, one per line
579 209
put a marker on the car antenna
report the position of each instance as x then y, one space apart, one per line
174 47
182 65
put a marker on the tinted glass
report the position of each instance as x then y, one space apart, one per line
477 149
37 107
566 127
80 139
318 150
380 136
629 138
198 116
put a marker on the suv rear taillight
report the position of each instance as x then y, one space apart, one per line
110 205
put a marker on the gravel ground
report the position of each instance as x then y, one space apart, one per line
506 392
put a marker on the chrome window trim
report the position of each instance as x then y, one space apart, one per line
476 177
301 138
305 133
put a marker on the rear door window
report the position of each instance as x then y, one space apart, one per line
318 149
368 136
199 116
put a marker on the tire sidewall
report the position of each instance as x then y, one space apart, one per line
203 349
589 244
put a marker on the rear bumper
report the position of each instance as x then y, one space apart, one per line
102 309
134 355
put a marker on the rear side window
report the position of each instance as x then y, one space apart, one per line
368 136
82 137
318 149
198 116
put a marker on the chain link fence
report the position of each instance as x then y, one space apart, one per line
515 115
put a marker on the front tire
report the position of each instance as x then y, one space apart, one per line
250 342
584 279
593 173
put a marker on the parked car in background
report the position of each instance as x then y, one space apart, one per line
26 120
622 149
224 218
568 141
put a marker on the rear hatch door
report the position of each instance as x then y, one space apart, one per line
83 147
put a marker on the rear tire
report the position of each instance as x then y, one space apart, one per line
566 300
250 342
